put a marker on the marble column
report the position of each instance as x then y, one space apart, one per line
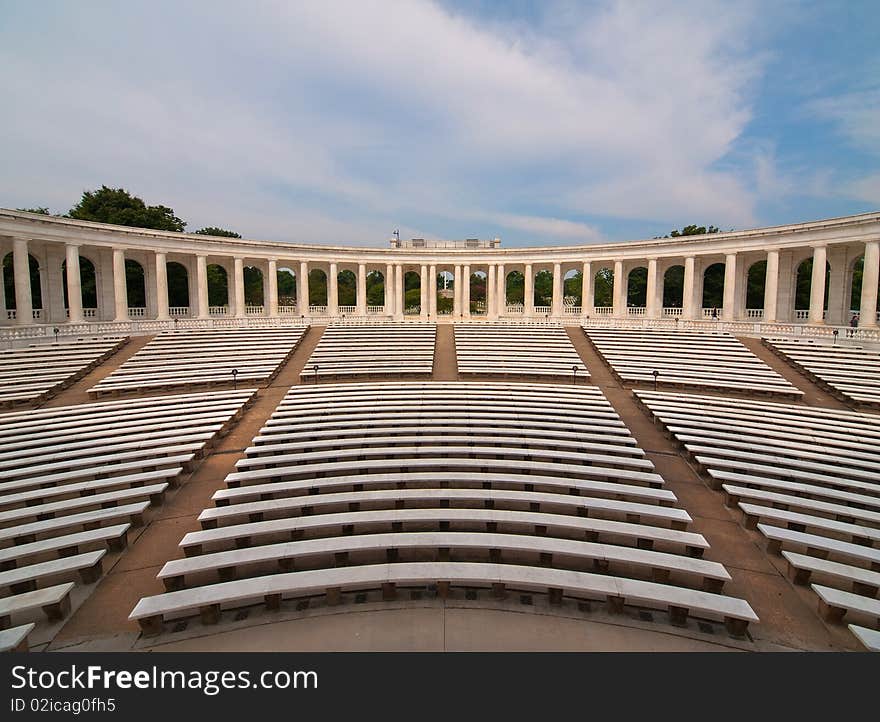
501 294
651 310
74 285
771 287
618 292
302 289
870 274
202 285
161 287
432 292
587 289
388 287
529 291
24 309
399 300
271 304
556 307
423 292
239 287
466 292
361 290
333 291
456 293
491 294
687 299
729 298
817 286
120 290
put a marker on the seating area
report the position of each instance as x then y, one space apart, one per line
507 350
75 479
203 358
383 349
683 359
36 373
850 373
376 491
807 478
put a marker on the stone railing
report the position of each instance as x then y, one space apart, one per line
218 310
133 312
318 310
348 309
515 308
542 310
603 310
253 310
178 311
672 311
287 310
756 313
635 311
375 310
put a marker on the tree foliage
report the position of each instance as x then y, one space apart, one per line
215 231
118 206
42 210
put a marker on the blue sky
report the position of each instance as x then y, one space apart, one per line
539 122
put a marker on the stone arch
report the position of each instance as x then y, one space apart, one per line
515 285
178 284
286 286
478 286
218 285
375 287
445 291
346 287
412 292
756 280
135 283
88 280
318 287
543 287
673 287
713 286
603 287
804 282
572 287
253 286
9 281
637 287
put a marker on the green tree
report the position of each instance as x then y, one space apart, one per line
375 289
637 287
218 285
118 206
603 288
543 288
42 210
692 230
253 286
215 231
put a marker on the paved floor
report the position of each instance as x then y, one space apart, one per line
789 619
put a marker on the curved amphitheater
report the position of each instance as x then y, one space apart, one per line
507 479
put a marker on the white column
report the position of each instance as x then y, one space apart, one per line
399 300
362 290
302 289
466 292
687 298
388 288
771 287
587 289
202 286
651 310
432 291
272 301
120 291
501 295
529 291
618 290
491 293
24 309
238 286
456 293
333 291
74 285
556 308
729 298
817 286
423 292
870 274
161 287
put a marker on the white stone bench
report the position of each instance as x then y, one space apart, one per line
718 478
834 604
150 612
256 510
22 534
819 546
280 489
114 536
645 536
24 579
178 454
54 601
16 638
95 478
801 567
870 638
841 512
858 533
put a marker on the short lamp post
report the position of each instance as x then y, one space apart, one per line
574 374
834 333
315 369
55 331
235 378
655 373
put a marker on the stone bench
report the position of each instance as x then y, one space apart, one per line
644 536
144 458
54 601
16 638
870 638
801 567
819 546
69 544
22 534
308 503
150 612
834 604
719 478
95 478
24 579
857 533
